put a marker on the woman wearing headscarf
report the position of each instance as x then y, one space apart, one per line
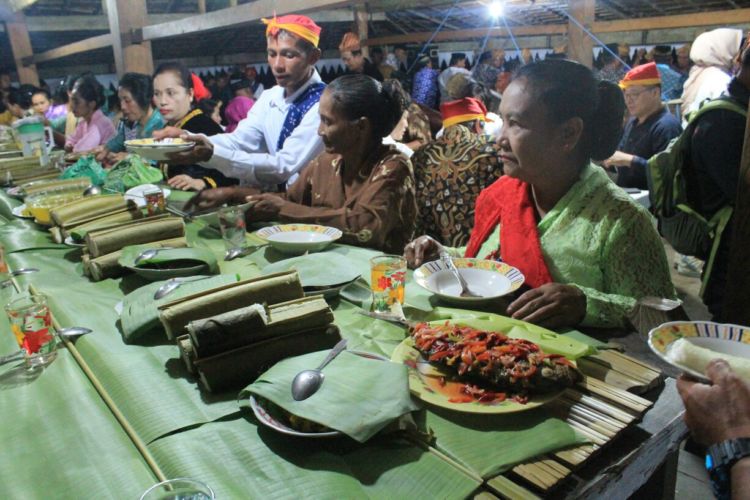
713 54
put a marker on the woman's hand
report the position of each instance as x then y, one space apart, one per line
186 183
167 132
551 305
212 198
420 250
100 153
266 207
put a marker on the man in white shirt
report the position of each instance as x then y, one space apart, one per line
280 134
457 67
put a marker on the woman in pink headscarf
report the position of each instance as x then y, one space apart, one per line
237 111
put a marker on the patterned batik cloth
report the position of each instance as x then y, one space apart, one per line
376 209
450 173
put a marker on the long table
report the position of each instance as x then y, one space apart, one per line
107 419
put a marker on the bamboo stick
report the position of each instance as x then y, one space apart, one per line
601 406
139 444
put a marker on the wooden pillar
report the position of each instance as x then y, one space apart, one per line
736 307
202 6
233 3
124 17
580 44
360 18
21 45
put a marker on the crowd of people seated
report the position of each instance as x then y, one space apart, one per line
517 159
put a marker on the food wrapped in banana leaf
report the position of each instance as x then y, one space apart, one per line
495 363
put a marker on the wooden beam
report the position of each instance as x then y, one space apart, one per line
101 22
580 44
93 43
715 18
19 5
469 34
360 18
20 44
720 17
236 16
125 17
115 39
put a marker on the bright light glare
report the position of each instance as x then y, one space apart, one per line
496 8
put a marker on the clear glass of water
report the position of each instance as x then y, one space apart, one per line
179 489
233 229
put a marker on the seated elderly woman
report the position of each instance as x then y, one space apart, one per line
94 128
139 118
587 250
358 185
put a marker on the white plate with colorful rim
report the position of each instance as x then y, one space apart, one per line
20 211
722 338
72 243
488 278
297 239
273 416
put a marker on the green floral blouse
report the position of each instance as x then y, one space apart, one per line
598 239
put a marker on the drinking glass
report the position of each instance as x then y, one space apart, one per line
232 223
388 280
31 324
179 489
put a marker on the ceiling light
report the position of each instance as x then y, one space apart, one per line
496 8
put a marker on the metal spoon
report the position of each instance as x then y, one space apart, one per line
149 253
233 253
307 382
18 272
72 331
465 292
92 191
173 284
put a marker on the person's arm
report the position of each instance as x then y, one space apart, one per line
634 266
372 218
243 153
117 143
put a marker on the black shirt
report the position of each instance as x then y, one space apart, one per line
202 124
712 176
644 140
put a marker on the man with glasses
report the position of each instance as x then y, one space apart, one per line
649 130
